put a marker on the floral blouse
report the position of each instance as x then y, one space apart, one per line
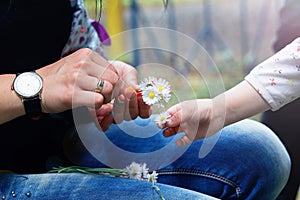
85 32
277 79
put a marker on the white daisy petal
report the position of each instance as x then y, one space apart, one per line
150 95
162 118
153 177
147 82
145 171
164 89
134 171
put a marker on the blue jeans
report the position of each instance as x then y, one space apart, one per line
73 186
243 161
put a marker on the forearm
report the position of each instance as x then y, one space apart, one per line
240 102
10 105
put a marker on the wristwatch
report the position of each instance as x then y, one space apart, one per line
28 86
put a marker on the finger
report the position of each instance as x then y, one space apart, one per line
174 120
86 82
105 88
123 88
96 119
144 109
87 98
117 89
102 116
108 71
130 78
109 75
106 122
174 109
99 60
105 110
170 131
102 122
101 70
132 110
90 83
184 140
127 72
119 108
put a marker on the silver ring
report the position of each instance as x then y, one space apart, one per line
99 86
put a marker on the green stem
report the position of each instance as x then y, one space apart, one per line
87 170
99 171
159 192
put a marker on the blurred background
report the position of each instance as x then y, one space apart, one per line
205 46
236 34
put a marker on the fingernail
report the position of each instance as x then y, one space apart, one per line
130 89
120 100
100 118
129 92
139 93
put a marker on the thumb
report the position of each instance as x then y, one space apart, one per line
175 113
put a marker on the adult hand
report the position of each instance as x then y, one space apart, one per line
128 104
71 82
196 118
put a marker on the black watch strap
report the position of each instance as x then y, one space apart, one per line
33 107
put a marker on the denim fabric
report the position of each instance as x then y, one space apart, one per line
86 187
245 160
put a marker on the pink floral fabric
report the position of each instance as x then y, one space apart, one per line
277 79
85 33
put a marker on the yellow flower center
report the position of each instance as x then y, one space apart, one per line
151 95
134 172
162 118
151 179
160 88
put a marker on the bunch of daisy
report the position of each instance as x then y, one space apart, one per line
141 172
155 91
135 171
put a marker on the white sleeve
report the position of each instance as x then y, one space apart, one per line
277 79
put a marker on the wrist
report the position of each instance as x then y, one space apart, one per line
218 114
242 101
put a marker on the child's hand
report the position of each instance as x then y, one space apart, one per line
194 118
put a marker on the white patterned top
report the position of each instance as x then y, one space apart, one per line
277 79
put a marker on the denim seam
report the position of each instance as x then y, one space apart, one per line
206 174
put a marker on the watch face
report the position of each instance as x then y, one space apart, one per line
28 84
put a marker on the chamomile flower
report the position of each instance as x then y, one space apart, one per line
147 82
150 95
153 177
162 118
134 171
164 89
